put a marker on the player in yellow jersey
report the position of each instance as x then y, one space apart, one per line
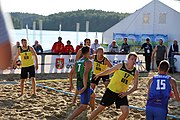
26 54
117 90
101 63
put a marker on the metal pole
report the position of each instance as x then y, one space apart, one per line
87 28
34 31
77 32
96 36
40 28
27 33
59 29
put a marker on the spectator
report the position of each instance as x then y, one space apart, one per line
147 53
125 48
37 47
79 47
87 42
15 49
113 47
95 45
161 52
14 53
68 49
58 47
173 48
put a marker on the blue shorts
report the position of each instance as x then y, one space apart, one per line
85 96
155 113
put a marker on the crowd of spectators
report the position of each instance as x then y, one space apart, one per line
160 50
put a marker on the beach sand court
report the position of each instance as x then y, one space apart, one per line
52 104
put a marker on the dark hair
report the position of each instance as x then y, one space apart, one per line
59 38
86 40
125 38
147 39
85 50
69 41
132 54
96 40
23 40
164 65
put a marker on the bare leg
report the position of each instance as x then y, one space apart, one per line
33 85
93 86
96 112
92 101
125 113
22 86
75 96
78 111
106 83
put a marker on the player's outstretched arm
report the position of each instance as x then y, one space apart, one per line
109 71
149 85
71 87
175 89
35 56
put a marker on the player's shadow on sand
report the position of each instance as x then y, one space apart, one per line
71 108
7 103
65 114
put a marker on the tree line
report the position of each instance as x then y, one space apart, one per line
99 20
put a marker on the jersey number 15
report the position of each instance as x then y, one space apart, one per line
161 85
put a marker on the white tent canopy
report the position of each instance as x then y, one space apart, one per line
154 18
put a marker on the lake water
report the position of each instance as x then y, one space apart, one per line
47 38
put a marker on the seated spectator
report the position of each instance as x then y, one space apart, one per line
58 47
113 47
78 47
68 49
125 48
95 45
37 47
173 48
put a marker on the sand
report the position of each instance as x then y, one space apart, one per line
52 105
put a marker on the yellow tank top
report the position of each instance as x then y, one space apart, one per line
99 65
26 57
121 79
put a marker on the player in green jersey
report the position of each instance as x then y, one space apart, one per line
83 68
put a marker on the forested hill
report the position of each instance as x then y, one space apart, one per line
99 20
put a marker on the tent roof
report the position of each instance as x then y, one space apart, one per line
174 4
134 23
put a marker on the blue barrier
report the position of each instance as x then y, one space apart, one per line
9 82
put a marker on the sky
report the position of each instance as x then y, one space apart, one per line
47 7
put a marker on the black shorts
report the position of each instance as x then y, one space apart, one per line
26 70
110 97
104 78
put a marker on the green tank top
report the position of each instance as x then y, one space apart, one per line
80 71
